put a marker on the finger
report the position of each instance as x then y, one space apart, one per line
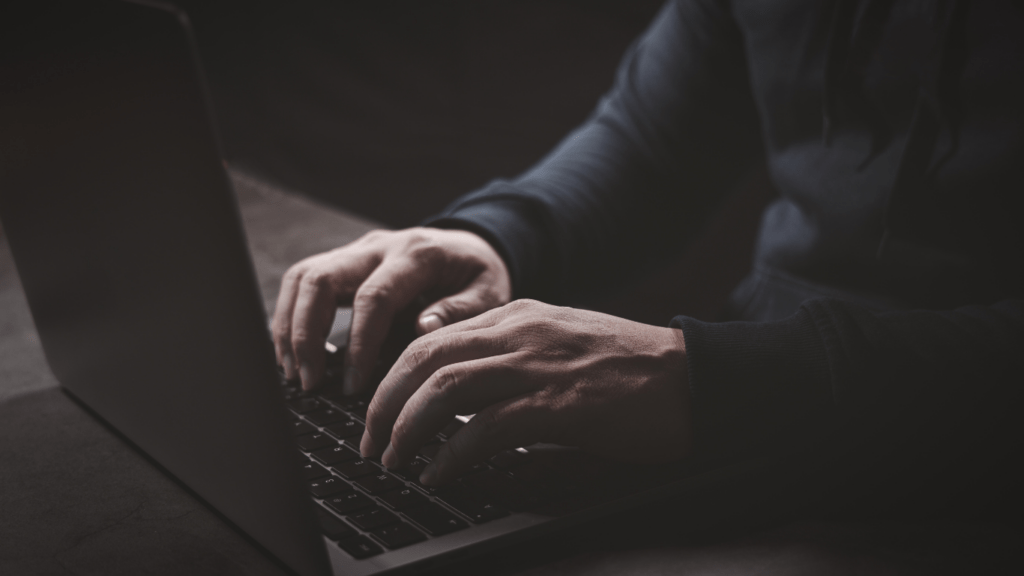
464 388
480 296
484 319
313 314
282 322
417 363
349 265
392 286
513 423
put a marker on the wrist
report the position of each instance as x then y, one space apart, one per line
495 265
673 352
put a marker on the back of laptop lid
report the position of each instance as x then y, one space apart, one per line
131 252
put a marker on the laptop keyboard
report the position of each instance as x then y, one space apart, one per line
366 508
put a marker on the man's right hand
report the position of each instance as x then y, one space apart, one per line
380 274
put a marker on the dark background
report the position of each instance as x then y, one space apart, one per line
392 109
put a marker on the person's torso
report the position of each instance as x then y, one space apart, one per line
894 133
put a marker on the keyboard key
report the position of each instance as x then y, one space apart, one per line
357 407
356 468
493 486
435 519
403 498
379 483
348 503
454 426
311 442
334 455
360 547
412 471
291 391
431 490
327 415
346 429
478 467
372 518
334 397
531 472
477 511
353 443
492 483
332 527
510 459
399 535
300 427
304 405
313 470
329 486
428 451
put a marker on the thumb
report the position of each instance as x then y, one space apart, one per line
476 299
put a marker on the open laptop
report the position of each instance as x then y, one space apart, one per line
131 252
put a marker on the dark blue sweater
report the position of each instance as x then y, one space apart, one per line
881 331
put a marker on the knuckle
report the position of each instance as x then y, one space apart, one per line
302 340
281 331
565 400
416 235
488 424
374 236
418 353
445 381
428 349
371 295
521 305
427 252
294 273
515 305
316 280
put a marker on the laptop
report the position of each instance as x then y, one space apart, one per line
128 241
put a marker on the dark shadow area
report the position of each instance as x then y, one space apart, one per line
392 109
89 504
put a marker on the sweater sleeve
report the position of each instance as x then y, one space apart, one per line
912 408
627 188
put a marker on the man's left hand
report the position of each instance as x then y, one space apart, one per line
532 372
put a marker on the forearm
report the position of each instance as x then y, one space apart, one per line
902 401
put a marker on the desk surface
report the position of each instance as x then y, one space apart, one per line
76 499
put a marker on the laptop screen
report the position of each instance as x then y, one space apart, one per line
130 249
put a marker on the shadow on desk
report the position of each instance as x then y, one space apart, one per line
76 499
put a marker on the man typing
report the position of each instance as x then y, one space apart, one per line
880 329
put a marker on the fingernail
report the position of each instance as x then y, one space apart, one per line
366 447
431 322
429 475
306 374
349 383
389 459
288 363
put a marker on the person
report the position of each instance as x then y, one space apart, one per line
880 332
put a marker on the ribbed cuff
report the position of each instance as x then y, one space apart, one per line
756 385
